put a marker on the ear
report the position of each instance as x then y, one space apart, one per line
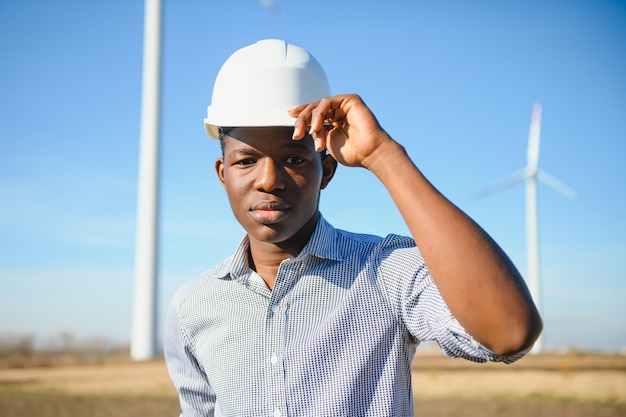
219 169
329 166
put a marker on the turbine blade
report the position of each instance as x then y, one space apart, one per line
506 182
532 155
560 187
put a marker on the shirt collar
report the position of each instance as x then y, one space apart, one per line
324 243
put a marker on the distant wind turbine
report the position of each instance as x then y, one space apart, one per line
143 344
531 174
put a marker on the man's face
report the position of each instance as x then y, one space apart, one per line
273 182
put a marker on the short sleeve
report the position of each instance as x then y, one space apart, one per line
418 303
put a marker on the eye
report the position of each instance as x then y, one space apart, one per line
294 160
245 161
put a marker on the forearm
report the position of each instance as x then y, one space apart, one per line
477 280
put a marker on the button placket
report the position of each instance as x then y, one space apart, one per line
274 343
275 333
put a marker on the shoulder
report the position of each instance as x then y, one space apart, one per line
201 285
333 243
374 244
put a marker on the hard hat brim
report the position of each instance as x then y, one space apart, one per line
263 118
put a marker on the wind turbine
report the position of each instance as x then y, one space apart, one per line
531 174
143 344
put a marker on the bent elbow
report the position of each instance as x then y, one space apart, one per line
519 338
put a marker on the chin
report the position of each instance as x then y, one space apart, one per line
269 234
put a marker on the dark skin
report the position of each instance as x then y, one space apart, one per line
273 185
479 283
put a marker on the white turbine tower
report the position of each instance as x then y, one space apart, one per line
531 174
143 344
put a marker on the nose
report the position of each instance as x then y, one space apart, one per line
270 175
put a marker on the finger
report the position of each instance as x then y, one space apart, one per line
322 115
319 140
302 115
295 111
299 129
317 130
314 116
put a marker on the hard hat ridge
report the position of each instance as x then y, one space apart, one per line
258 84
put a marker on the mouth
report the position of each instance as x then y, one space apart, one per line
269 212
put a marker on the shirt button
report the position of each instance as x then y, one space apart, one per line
277 413
274 360
275 309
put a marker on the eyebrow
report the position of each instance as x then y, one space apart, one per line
250 150
243 152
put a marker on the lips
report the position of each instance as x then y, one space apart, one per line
269 212
270 205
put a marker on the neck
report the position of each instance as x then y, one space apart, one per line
265 262
265 257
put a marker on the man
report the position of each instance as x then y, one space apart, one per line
308 320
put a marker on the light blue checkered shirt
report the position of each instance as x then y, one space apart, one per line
335 337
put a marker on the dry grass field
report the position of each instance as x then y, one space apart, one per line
573 385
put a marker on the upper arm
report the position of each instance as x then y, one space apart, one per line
196 396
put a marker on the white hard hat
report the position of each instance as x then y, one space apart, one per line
260 82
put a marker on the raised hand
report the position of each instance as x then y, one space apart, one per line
343 125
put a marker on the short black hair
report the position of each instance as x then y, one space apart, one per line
223 131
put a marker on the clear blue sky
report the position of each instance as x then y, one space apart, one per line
453 81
